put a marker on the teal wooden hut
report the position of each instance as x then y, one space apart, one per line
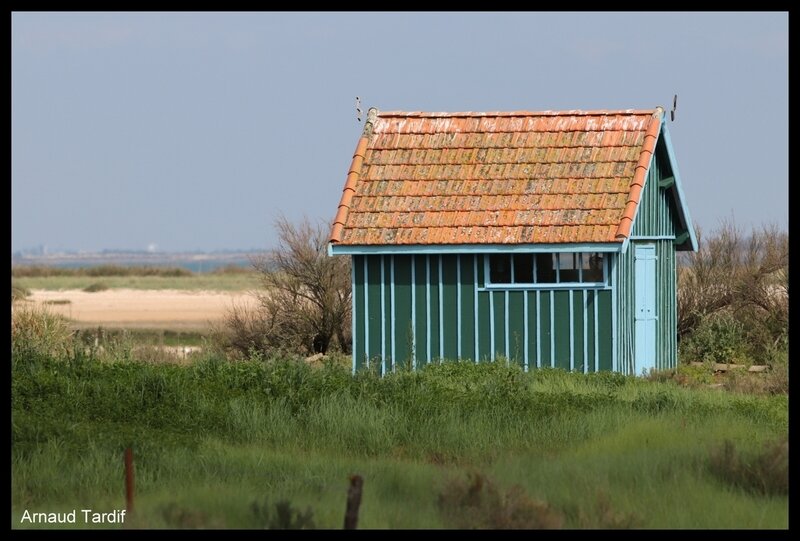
545 238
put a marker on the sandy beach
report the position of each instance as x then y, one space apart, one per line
136 308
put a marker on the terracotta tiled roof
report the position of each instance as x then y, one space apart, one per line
496 178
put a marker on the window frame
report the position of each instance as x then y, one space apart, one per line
558 284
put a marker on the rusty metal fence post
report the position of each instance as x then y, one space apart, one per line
129 480
353 502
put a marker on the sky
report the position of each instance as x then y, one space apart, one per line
194 131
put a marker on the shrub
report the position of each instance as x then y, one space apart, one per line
771 381
765 472
718 338
36 330
232 268
478 504
744 276
177 516
284 517
95 287
304 307
603 515
18 292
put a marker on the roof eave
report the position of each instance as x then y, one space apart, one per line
369 249
353 174
640 175
680 198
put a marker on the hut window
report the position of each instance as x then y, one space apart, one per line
523 268
547 268
500 269
592 267
568 267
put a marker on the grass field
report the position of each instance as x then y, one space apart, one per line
218 445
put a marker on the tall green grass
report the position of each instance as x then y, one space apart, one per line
212 438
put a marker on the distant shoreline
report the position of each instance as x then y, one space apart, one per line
194 261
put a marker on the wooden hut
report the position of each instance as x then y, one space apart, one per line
545 238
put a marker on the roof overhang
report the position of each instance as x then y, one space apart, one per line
690 243
346 249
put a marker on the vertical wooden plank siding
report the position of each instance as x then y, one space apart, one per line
579 331
516 327
440 274
449 306
544 328
561 329
537 323
625 311
413 324
591 331
497 311
433 335
458 305
655 223
408 310
467 307
476 328
485 316
388 305
420 311
403 330
655 215
374 318
525 324
604 329
666 288
358 316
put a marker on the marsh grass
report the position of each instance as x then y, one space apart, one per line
598 450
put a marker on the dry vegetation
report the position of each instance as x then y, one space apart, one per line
304 306
733 297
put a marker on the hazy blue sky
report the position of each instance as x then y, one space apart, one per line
191 131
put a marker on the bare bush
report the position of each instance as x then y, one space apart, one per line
743 276
304 305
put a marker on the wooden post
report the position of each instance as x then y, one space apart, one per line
129 480
353 502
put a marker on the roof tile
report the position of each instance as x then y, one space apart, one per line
506 177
